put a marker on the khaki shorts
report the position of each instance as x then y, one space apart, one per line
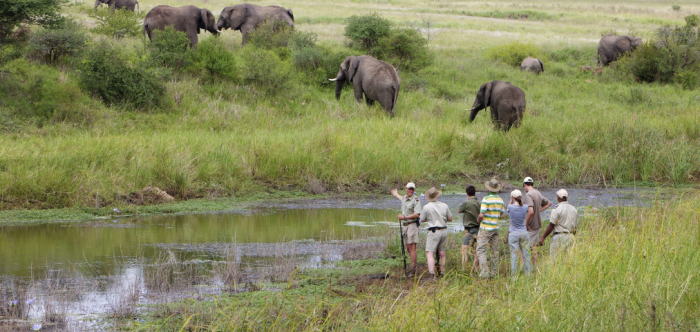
410 234
534 237
436 241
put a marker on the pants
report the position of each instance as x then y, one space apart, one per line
489 267
560 244
410 233
519 244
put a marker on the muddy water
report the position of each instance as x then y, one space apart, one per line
114 255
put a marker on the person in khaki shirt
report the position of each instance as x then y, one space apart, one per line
562 222
410 217
435 215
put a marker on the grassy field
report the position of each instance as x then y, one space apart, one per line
631 270
218 139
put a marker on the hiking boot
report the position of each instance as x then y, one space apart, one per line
431 278
411 272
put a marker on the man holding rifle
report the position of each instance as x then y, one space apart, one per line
410 215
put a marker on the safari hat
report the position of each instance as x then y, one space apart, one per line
516 193
411 185
562 193
493 185
432 194
528 180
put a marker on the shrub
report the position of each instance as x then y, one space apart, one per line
52 44
213 56
404 48
21 13
568 54
105 72
692 20
365 31
514 53
270 34
169 48
264 69
676 8
117 24
688 79
673 50
318 63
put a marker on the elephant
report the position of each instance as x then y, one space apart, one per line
119 4
246 17
507 104
533 65
611 47
188 19
377 79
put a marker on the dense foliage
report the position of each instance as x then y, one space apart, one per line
51 44
117 23
365 31
404 48
169 48
105 72
17 14
513 54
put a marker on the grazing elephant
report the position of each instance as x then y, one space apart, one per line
377 79
119 4
246 17
532 64
507 103
188 19
611 47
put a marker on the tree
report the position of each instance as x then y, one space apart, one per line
14 13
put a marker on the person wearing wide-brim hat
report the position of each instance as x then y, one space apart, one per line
411 208
562 222
435 215
491 211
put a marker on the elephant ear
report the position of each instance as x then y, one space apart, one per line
487 94
202 20
352 67
237 16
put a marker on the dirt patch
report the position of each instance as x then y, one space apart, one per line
149 195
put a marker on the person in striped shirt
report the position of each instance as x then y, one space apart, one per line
491 211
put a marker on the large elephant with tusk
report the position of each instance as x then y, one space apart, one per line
376 79
188 19
507 104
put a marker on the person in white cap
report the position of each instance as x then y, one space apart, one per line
410 215
562 222
536 203
518 239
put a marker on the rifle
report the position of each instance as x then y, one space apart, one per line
403 247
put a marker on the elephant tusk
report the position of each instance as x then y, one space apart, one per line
332 79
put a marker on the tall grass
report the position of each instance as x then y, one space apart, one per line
630 269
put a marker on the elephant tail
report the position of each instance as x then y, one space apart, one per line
289 11
138 6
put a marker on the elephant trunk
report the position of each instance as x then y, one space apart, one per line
473 113
338 88
97 3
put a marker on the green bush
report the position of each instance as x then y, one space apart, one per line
51 44
404 48
567 54
105 73
43 94
170 48
270 35
514 53
264 69
365 31
672 51
318 63
117 24
676 8
692 20
688 79
212 55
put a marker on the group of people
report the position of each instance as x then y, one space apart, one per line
481 228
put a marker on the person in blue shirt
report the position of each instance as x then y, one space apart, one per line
518 238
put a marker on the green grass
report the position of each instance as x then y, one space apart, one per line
629 270
229 139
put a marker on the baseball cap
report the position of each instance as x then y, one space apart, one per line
562 193
528 180
411 185
516 193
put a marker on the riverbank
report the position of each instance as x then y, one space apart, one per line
627 271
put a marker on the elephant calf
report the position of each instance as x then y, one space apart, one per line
611 47
376 79
246 17
507 104
119 4
533 65
188 19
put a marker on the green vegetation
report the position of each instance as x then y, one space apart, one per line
626 271
118 23
98 125
512 14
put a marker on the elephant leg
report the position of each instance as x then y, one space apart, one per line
192 35
357 86
387 102
369 102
